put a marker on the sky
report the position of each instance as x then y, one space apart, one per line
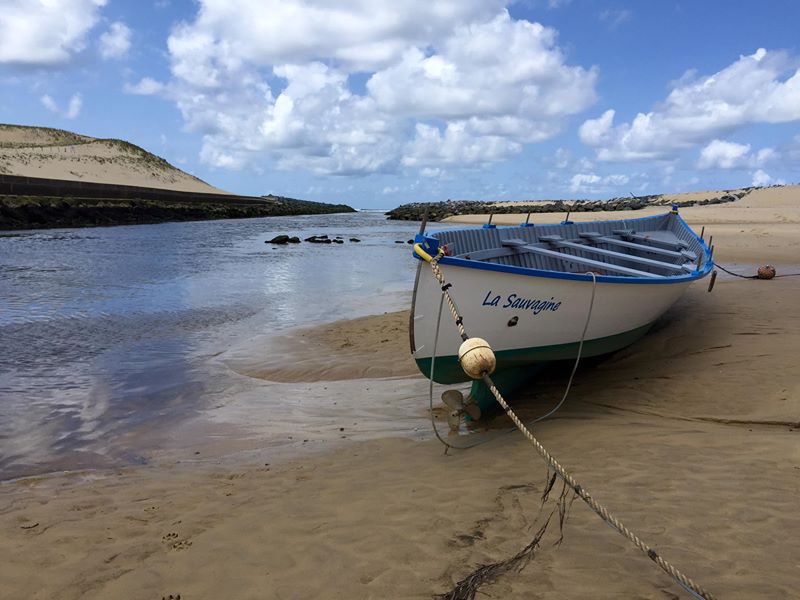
376 103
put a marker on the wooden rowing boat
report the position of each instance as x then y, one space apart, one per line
527 290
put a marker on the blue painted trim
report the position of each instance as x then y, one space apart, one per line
431 245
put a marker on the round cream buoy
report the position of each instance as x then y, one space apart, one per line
766 272
476 357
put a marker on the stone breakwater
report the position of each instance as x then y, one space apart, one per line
441 210
37 212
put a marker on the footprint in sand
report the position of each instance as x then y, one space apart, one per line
172 541
181 545
169 537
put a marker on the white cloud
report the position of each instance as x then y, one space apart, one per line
760 179
45 32
447 83
116 42
764 156
49 103
75 105
73 108
456 146
353 34
719 154
146 87
614 17
761 88
590 183
561 158
723 155
500 67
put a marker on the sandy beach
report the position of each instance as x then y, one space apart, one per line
691 437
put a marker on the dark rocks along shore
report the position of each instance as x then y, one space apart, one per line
441 210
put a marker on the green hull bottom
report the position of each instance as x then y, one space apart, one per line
515 368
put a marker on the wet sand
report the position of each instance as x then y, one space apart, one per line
691 437
366 347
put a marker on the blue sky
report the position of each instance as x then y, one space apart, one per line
376 102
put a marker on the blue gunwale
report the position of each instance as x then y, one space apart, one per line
431 244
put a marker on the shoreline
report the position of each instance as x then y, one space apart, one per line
689 436
394 516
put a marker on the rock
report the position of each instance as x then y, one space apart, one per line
355 240
278 239
318 239
398 241
766 272
409 241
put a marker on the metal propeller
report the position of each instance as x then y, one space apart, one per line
454 400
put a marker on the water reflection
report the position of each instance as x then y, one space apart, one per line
107 330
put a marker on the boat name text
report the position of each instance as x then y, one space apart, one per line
513 301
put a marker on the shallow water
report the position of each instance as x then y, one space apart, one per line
108 331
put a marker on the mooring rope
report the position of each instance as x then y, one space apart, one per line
719 266
577 358
552 463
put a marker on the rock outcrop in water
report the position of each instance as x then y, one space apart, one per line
441 210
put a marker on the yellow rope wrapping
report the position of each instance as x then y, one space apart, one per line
598 508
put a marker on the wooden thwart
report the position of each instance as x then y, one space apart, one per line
599 238
649 262
522 245
629 234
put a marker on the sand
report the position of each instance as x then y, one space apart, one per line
691 437
57 154
367 347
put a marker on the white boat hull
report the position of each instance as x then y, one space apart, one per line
534 315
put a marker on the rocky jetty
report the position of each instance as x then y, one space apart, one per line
450 208
37 212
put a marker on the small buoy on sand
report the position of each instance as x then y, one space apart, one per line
476 357
766 272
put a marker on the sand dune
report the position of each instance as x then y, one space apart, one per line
58 154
